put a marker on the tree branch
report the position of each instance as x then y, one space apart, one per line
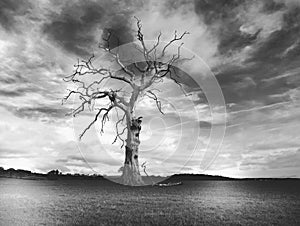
119 134
175 38
155 98
104 118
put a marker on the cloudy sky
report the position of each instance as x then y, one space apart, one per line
252 48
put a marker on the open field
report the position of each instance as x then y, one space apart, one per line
89 202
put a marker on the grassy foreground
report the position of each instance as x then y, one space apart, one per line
31 202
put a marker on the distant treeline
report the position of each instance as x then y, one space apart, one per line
51 175
183 177
56 175
193 177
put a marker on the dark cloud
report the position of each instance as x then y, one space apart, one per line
41 111
19 91
17 78
73 27
9 9
77 27
234 39
221 16
212 11
230 79
271 6
225 21
244 84
276 55
38 111
10 93
118 33
279 54
282 48
205 125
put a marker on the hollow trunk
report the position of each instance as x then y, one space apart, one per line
131 173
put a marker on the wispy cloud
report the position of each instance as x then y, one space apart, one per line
252 47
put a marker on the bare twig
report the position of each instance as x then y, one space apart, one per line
119 134
105 116
155 98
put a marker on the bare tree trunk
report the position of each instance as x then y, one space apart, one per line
131 173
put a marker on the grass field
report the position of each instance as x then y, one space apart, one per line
25 202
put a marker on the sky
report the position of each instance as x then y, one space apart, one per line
251 47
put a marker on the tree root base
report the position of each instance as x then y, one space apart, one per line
131 177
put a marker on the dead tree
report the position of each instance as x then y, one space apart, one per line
139 77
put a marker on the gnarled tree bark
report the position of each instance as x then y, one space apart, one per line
131 173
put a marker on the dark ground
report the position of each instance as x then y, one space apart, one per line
99 202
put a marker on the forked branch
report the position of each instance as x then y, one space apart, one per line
104 119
